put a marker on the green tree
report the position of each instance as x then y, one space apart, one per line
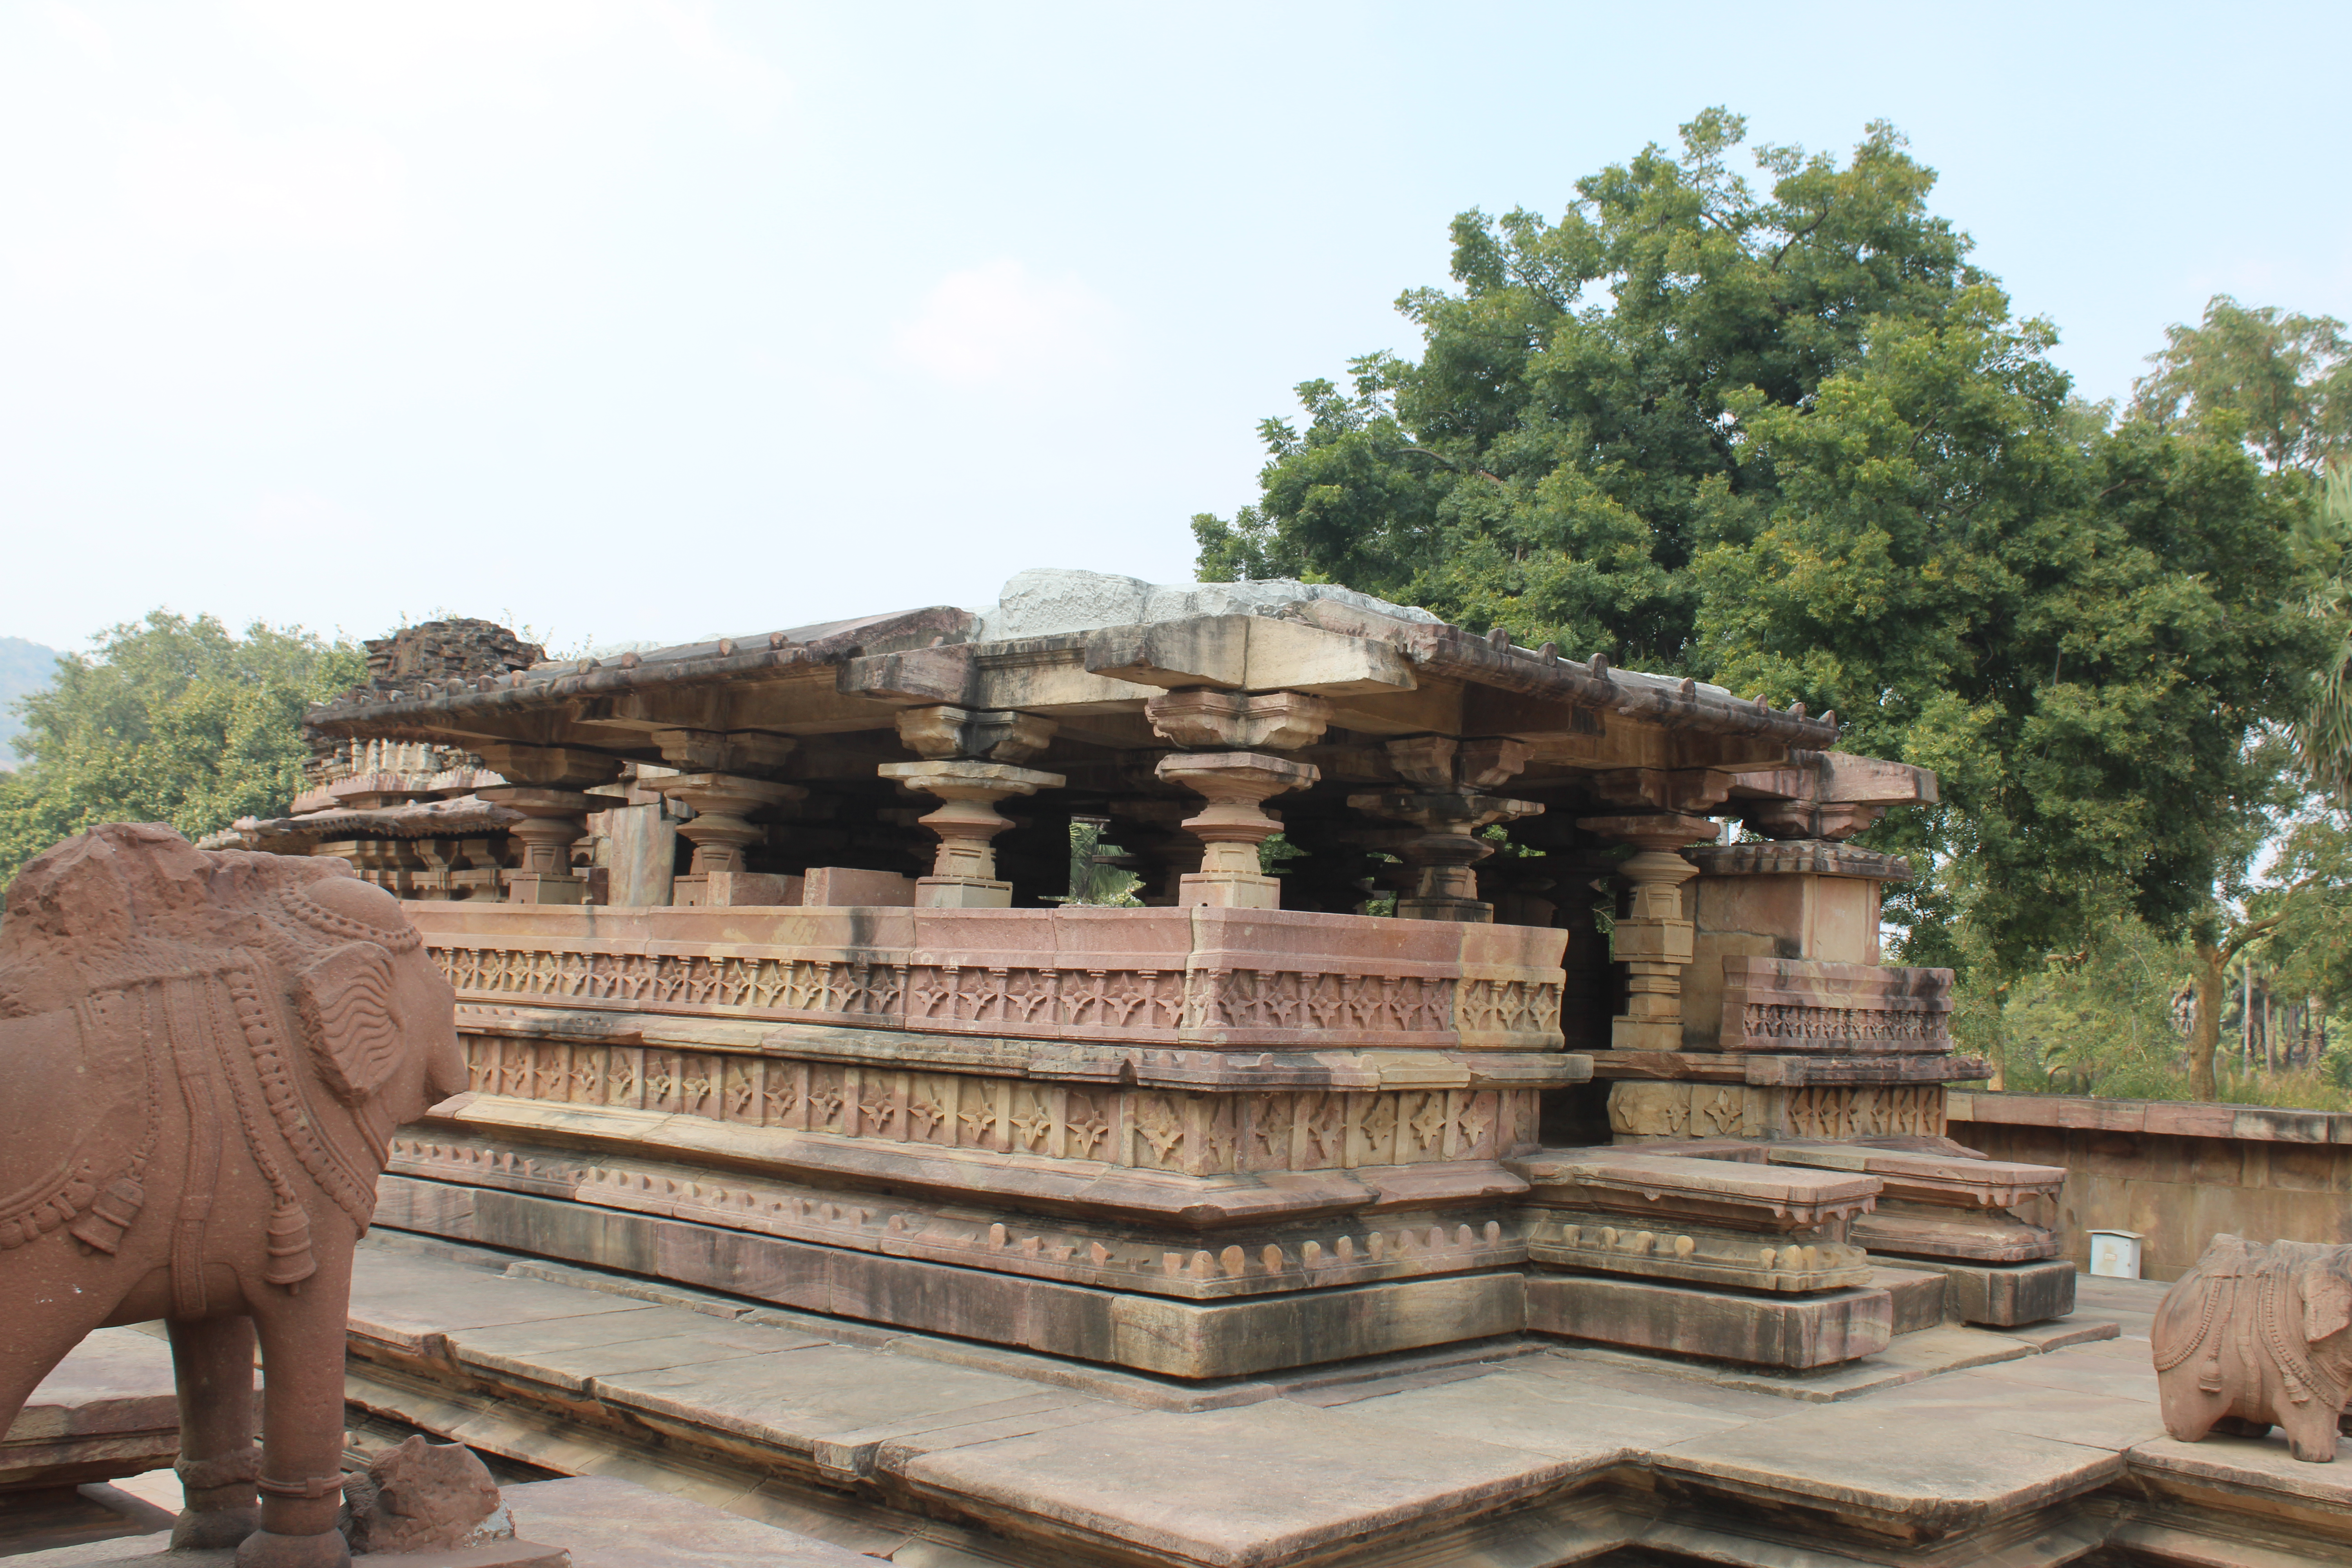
2324 730
2280 383
170 719
1570 436
1791 440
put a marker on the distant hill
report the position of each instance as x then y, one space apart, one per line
24 668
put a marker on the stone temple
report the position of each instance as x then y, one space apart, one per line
1526 1157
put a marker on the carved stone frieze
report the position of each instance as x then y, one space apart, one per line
1780 1005
1258 1005
1192 1133
1639 1108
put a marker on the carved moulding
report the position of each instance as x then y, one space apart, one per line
1253 1259
1682 1109
1667 1248
1190 1131
1173 977
1774 1005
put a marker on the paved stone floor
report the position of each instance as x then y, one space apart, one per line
1956 1446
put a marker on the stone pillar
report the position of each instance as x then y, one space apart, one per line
1227 736
963 873
721 830
719 780
547 784
1234 823
1654 941
968 763
1442 855
1449 806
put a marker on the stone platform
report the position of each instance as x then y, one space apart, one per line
1953 1446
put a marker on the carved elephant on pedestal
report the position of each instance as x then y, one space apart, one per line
2256 1336
202 1059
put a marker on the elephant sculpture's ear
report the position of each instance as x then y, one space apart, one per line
2326 1303
345 1000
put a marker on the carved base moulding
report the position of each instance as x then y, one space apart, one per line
435 1177
1913 1230
547 1031
1148 1331
1791 1331
2002 1295
1666 1248
1789 1071
1201 976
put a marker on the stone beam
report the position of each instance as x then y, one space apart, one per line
1246 653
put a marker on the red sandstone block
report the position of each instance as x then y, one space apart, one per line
2192 1120
846 887
2276 1126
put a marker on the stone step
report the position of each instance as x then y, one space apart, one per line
1792 1332
1942 1181
1664 1189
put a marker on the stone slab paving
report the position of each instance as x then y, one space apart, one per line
602 1523
612 1524
1952 1431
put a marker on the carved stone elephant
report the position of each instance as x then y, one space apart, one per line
2256 1336
202 1059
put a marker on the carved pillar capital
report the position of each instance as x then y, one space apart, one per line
549 767
1203 718
977 734
963 873
1445 846
1654 941
1234 823
745 752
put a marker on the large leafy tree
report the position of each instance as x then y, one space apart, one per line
1789 439
1570 436
2280 381
168 719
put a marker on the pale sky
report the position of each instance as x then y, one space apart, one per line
635 320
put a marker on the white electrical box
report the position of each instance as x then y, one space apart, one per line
2114 1253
